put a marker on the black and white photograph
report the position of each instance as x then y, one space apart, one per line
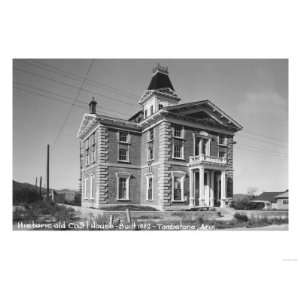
150 150
144 144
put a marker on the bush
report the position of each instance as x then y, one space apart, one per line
25 195
247 205
241 217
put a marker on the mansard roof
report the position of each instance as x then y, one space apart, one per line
160 85
160 80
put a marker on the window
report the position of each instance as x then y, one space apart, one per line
92 148
150 151
122 186
284 201
222 153
160 106
123 137
92 186
86 187
150 188
123 154
86 150
145 114
151 135
178 142
178 192
124 145
222 140
177 148
151 110
178 131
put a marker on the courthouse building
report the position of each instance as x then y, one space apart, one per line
168 155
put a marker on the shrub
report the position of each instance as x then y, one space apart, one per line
241 217
247 205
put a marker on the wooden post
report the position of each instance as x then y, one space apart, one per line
48 159
41 187
128 216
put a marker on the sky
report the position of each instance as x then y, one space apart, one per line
253 92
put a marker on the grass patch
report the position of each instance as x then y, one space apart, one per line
42 211
130 207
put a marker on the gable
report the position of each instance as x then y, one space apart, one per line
207 112
88 122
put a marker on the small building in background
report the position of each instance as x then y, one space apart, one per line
273 200
281 201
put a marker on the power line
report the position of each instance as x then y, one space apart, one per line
43 91
73 77
71 107
262 137
262 151
77 77
73 86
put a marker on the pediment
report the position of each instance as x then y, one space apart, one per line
205 112
87 123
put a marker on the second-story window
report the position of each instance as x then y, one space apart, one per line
124 145
86 150
145 114
92 148
178 148
222 153
178 142
178 131
151 110
150 151
150 135
123 137
222 140
123 154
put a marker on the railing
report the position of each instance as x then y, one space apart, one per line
207 158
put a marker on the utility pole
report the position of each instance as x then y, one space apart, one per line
36 187
48 159
41 187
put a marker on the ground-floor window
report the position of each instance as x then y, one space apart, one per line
285 201
149 188
86 188
123 186
178 186
92 186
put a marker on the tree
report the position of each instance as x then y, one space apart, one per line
251 191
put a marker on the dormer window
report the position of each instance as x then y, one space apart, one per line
160 106
145 113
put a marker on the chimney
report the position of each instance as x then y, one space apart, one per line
92 106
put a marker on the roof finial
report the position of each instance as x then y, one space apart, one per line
160 68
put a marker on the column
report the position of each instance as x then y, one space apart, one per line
223 188
212 185
201 186
200 147
192 196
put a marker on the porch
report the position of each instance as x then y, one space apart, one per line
207 187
